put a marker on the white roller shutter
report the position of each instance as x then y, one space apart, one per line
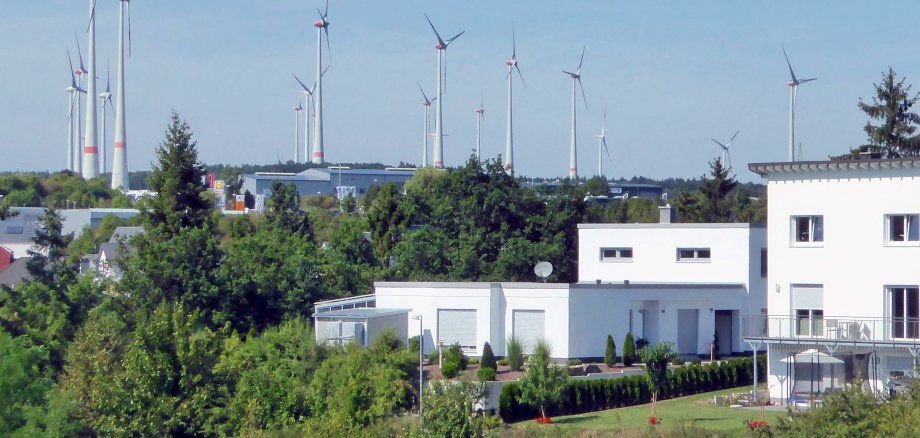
807 297
457 326
529 326
326 330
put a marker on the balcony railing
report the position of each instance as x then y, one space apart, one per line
832 329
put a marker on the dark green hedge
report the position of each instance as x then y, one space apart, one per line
581 395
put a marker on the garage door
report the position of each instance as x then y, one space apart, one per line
529 326
457 326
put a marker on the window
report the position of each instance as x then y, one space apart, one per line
809 322
763 262
693 254
903 228
905 312
808 229
616 254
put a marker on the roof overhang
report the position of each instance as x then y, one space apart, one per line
794 167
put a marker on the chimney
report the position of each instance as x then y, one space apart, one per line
667 215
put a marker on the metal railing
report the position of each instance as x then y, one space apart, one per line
832 328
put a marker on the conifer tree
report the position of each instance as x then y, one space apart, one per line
610 353
891 105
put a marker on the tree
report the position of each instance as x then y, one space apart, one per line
49 264
717 205
177 180
542 382
283 211
488 358
5 212
891 105
610 352
656 358
448 408
387 221
629 350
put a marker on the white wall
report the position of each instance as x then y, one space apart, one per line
552 299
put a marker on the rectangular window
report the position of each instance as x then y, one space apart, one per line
616 254
809 322
808 229
693 254
902 228
905 312
763 262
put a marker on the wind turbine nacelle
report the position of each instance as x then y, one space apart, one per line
510 62
438 46
320 23
791 83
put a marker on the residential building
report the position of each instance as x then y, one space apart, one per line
843 283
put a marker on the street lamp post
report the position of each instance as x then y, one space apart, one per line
421 363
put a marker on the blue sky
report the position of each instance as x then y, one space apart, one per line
671 75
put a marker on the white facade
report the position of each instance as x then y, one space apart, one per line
843 279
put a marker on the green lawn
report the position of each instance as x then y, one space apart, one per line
696 410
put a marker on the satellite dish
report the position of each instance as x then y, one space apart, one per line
543 270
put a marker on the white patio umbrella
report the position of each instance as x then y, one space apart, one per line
813 356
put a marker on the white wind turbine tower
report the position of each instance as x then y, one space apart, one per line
297 110
426 103
322 26
106 98
441 46
509 135
308 94
78 144
602 146
91 141
480 114
120 147
576 79
726 153
793 89
72 137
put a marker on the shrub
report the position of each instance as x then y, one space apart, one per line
573 362
473 361
629 350
503 362
414 344
677 361
515 353
488 358
641 343
450 369
696 361
454 355
486 374
610 352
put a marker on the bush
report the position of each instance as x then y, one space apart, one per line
450 369
641 343
473 361
488 358
502 362
629 350
454 355
610 352
677 361
486 374
573 362
515 353
580 396
414 344
697 361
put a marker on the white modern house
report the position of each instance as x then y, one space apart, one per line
664 282
843 284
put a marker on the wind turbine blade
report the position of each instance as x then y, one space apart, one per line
521 75
604 142
128 13
111 106
440 41
585 98
73 81
802 81
450 40
92 15
570 74
327 68
581 59
326 12
718 143
328 46
513 43
428 102
80 53
108 76
301 84
733 137
604 127
790 65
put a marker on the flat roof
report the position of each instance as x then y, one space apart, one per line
363 313
782 167
652 285
469 285
671 225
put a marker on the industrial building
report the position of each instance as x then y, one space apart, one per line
325 181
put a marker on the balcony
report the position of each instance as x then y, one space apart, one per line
832 330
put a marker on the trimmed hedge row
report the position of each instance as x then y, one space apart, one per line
580 396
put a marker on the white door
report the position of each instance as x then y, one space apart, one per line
529 326
688 330
457 326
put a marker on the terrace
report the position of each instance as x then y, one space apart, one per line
815 329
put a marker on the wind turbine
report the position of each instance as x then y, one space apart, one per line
793 89
509 137
297 110
120 147
74 90
726 153
322 26
307 93
480 114
426 103
106 98
576 78
77 146
441 46
602 146
91 141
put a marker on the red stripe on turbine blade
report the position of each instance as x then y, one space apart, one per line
120 145
90 149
